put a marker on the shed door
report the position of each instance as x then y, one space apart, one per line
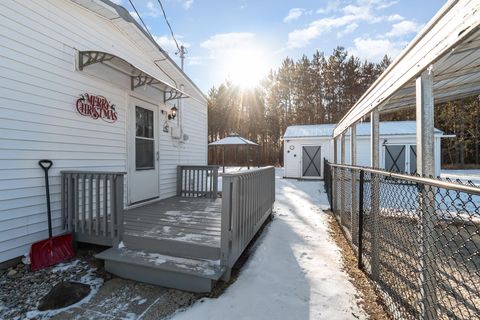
413 159
395 158
143 181
311 161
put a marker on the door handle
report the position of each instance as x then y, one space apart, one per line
157 155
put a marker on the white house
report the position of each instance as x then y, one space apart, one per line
83 85
306 146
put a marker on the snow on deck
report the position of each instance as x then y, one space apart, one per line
295 271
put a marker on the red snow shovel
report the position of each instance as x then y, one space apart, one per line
54 249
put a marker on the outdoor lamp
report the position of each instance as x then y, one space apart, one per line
173 114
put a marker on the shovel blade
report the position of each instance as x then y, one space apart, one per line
51 251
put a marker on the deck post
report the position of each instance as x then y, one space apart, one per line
215 182
118 211
342 178
179 180
375 193
353 202
226 225
426 167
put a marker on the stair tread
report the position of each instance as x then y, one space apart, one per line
209 269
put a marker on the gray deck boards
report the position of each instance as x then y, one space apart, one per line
182 219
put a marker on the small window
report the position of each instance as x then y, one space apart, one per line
144 139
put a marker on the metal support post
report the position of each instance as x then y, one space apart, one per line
342 178
360 220
375 194
426 167
334 176
353 196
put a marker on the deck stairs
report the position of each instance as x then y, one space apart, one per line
173 244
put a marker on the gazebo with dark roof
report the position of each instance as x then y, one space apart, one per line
233 140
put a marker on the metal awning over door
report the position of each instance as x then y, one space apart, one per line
311 161
138 77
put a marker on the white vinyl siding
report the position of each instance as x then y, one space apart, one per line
38 89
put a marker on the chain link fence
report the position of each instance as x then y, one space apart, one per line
417 238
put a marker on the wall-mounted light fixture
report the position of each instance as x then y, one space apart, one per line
173 113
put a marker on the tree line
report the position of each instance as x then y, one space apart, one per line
318 90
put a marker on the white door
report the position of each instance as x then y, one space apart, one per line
143 154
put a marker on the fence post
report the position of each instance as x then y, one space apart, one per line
342 179
334 176
353 202
425 167
375 194
360 221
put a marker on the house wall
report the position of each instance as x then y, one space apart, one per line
38 90
293 165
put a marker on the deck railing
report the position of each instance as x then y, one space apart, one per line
417 238
197 181
92 205
247 200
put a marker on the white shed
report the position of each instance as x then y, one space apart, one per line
306 146
85 86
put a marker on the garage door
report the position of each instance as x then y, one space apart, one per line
311 161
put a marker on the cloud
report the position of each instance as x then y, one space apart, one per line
404 28
302 37
375 49
331 6
223 42
187 4
152 9
194 60
348 29
168 44
350 17
294 14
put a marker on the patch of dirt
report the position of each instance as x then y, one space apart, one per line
21 289
371 300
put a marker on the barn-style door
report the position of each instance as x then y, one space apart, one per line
401 158
311 161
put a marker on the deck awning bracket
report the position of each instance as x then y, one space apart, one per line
138 77
142 80
86 58
173 95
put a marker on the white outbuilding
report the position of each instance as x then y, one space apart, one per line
306 147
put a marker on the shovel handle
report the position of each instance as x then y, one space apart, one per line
45 164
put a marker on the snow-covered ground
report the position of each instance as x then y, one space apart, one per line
464 175
295 271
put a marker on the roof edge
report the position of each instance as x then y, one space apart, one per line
125 15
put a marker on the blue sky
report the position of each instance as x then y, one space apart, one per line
242 39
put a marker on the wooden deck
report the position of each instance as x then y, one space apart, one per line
193 220
177 242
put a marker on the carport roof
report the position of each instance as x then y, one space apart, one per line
363 129
449 44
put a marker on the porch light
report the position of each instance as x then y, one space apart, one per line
173 114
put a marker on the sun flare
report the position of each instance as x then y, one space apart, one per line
246 67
